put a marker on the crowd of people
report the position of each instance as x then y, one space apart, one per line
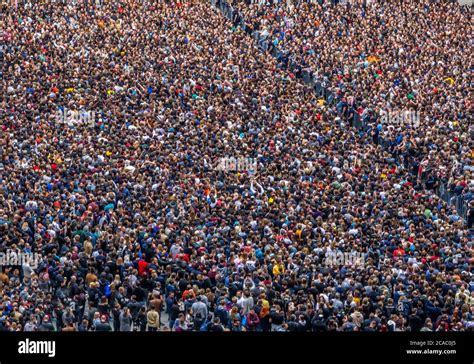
137 227
387 57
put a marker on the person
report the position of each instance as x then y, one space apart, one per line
199 311
125 319
141 320
216 326
236 322
470 214
153 319
103 324
68 317
69 327
46 324
180 323
157 303
83 326
31 325
117 310
253 321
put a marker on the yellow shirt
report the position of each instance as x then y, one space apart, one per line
278 269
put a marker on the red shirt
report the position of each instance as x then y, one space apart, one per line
398 252
142 267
